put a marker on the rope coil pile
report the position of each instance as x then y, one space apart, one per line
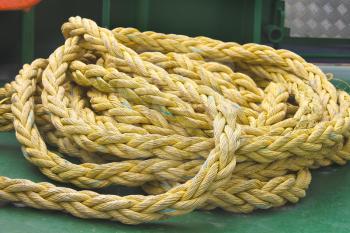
198 123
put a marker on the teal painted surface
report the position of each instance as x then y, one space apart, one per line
143 15
28 36
326 208
10 37
257 21
241 21
51 14
106 13
340 72
224 19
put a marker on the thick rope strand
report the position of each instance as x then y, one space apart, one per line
196 122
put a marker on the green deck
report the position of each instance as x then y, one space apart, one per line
326 207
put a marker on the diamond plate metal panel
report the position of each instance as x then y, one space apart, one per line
318 18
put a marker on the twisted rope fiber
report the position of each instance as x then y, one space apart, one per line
196 122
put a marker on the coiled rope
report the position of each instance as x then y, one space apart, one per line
198 123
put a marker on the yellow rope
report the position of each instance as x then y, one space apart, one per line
174 115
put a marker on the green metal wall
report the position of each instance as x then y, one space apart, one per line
223 19
35 34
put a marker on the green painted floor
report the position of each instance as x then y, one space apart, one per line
326 208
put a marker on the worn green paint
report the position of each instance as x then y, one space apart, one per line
326 207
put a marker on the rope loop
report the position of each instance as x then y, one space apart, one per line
196 122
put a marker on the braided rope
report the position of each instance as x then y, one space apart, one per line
198 123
